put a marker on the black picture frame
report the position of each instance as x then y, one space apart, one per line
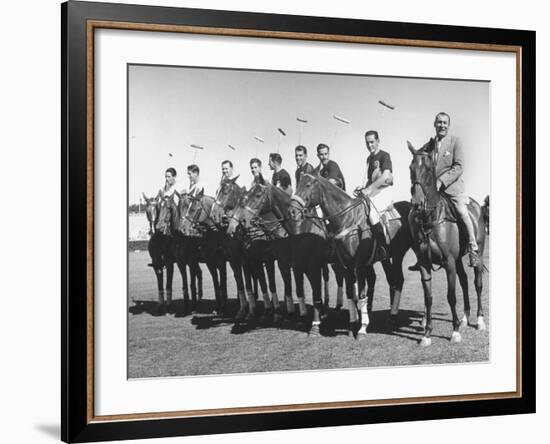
77 424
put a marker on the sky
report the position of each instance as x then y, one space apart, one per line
171 108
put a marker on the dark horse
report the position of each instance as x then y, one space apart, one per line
167 246
355 244
439 240
264 241
197 223
221 211
308 244
160 213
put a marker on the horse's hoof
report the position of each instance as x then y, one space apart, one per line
481 326
362 333
315 330
240 316
456 337
353 329
391 322
464 321
277 318
426 342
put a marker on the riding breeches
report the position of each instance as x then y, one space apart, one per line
461 205
378 203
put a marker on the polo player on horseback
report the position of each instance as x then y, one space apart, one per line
329 169
195 187
448 159
378 189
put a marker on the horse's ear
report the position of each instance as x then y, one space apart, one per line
145 197
411 148
200 193
235 178
177 194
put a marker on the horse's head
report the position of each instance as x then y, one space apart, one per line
167 215
197 213
308 195
422 176
226 200
151 211
251 205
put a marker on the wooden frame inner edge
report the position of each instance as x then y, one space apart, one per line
90 28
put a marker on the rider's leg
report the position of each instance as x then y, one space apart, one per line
462 211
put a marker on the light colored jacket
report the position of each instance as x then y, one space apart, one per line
450 163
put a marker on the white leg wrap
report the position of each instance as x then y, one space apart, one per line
327 295
267 301
456 337
242 298
302 306
289 304
481 323
275 300
251 301
340 296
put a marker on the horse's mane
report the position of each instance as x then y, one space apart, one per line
335 189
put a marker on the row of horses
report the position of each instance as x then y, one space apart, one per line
252 230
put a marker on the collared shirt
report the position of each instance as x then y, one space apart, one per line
195 189
377 164
332 171
281 179
306 168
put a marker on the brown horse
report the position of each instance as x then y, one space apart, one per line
355 244
439 240
161 213
221 211
198 223
265 240
267 207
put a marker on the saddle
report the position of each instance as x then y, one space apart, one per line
447 212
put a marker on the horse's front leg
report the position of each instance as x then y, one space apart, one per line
300 294
426 278
314 277
478 281
352 303
361 272
451 298
159 274
169 280
326 285
463 280
222 267
339 275
183 271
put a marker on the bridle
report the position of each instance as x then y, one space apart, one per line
195 221
301 206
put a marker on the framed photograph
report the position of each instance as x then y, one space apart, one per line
275 221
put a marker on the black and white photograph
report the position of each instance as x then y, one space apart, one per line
295 221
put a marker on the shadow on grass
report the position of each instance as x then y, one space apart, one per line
406 325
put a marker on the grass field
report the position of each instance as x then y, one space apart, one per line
202 344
